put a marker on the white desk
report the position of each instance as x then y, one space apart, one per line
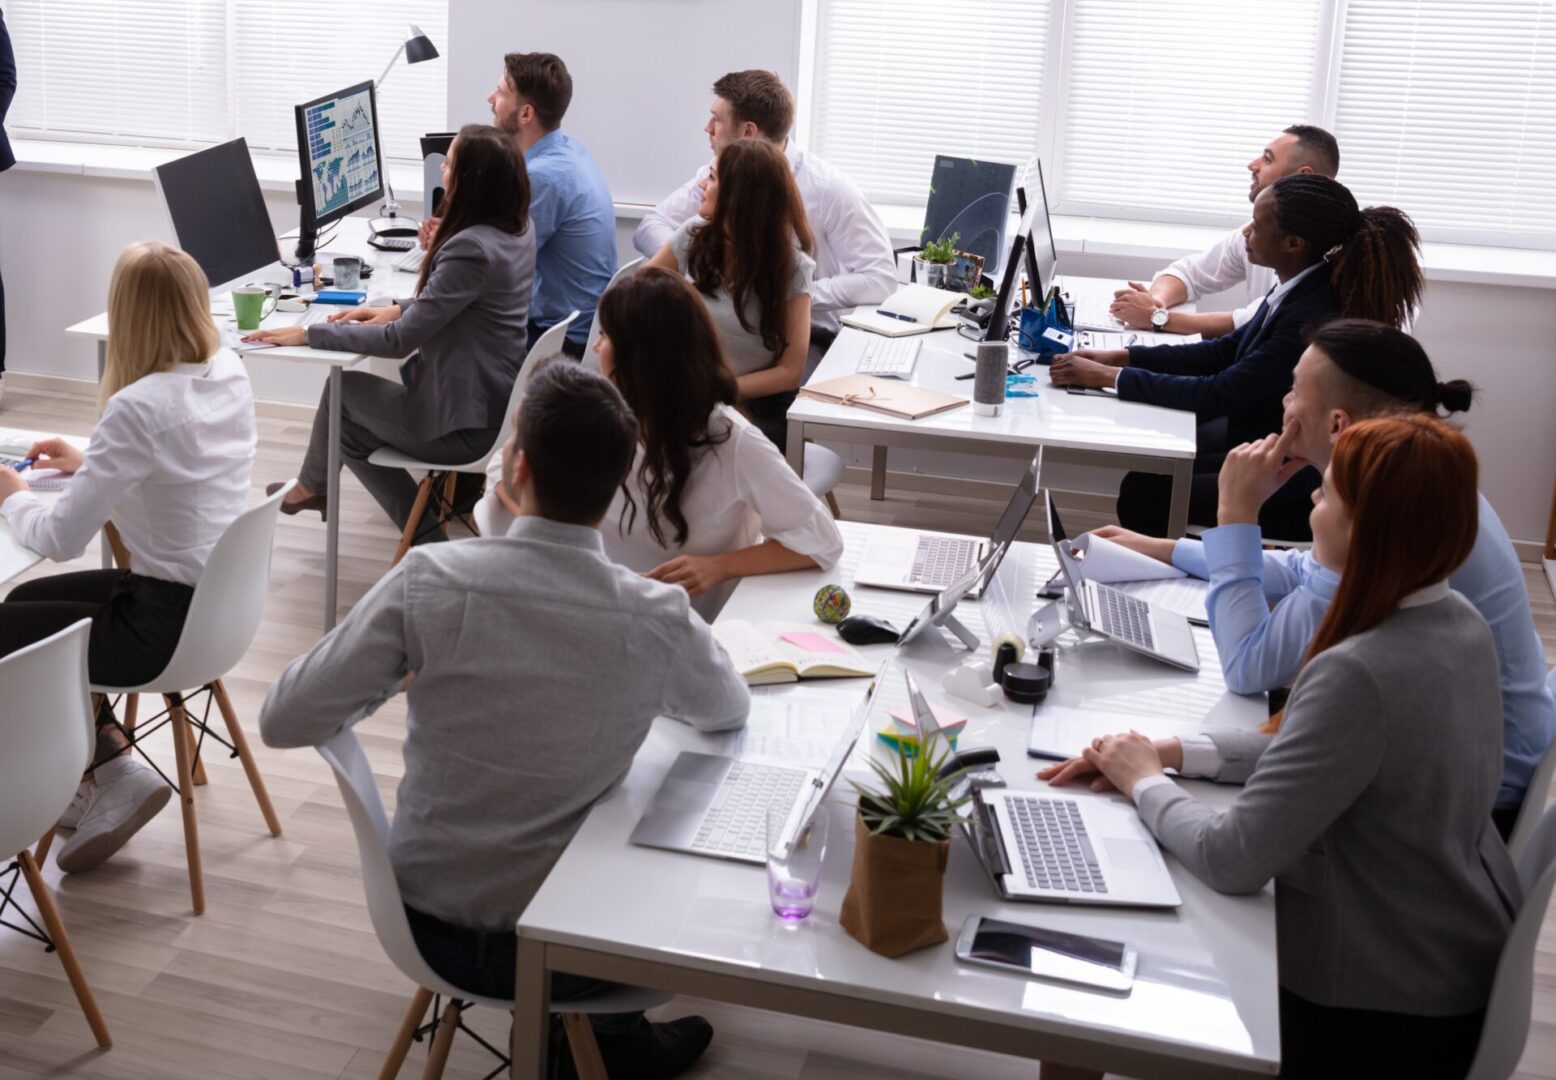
15 557
1204 1003
1072 427
350 239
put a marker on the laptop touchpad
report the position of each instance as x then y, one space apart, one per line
1127 854
684 795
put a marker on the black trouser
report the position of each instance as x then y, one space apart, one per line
571 346
1322 1042
1145 501
771 415
2 326
1504 818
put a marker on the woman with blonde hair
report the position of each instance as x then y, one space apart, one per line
169 464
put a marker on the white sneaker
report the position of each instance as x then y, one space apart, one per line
127 794
71 818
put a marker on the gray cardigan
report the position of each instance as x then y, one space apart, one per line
1371 809
469 328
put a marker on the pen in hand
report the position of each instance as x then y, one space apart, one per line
25 463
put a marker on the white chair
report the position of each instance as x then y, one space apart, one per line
386 909
545 347
1512 991
48 734
823 472
223 617
1536 794
591 361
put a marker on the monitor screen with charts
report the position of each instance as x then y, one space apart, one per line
342 161
218 211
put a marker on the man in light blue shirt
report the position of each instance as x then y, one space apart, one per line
1353 370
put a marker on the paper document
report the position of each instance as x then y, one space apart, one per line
233 340
1123 339
46 479
794 728
1105 562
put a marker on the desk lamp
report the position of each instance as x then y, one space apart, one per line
416 48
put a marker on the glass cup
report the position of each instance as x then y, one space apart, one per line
348 272
794 873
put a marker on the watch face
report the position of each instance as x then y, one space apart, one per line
1159 317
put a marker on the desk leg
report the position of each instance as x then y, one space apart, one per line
878 474
796 448
104 543
332 503
1178 510
531 1011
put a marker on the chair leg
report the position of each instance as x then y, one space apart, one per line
586 1051
187 805
197 766
412 523
40 854
446 507
402 1039
832 506
131 708
246 756
442 1041
67 954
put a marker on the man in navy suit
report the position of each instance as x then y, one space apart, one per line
7 158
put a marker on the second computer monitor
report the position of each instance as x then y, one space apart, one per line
342 159
998 328
218 212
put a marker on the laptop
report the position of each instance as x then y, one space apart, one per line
932 562
717 806
1149 629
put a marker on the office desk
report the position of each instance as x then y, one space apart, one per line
1204 1003
350 239
1072 428
15 557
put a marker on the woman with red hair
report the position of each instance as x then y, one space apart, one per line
1368 800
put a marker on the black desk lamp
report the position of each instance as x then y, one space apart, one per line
416 48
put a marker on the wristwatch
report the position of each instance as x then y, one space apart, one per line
1159 319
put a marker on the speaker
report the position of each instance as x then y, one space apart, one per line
989 378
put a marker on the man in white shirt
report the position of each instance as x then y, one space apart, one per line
1301 148
854 263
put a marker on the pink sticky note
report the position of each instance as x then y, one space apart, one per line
950 723
812 642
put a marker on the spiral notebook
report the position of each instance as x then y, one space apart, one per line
890 396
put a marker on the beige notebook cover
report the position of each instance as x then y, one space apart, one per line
779 653
882 395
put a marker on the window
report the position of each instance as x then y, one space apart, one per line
189 72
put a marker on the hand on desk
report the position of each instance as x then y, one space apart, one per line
281 335
694 573
1154 547
1133 306
1253 472
1089 368
370 315
55 453
1120 762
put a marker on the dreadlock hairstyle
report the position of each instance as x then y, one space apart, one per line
1372 252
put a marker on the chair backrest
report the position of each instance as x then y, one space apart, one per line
228 602
1512 991
47 731
546 346
1530 813
384 905
589 359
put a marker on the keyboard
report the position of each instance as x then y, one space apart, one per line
1093 311
890 357
1054 850
410 262
736 823
1124 617
940 560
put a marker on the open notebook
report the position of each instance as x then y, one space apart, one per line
779 652
912 309
890 396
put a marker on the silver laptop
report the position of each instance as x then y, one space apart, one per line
717 806
1146 628
932 562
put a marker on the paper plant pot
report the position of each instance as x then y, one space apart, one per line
893 904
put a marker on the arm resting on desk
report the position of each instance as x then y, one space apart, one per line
1261 374
867 271
704 689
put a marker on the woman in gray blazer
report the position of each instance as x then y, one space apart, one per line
1370 802
464 330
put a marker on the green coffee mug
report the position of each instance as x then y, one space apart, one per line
248 304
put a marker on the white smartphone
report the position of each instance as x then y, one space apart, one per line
1041 953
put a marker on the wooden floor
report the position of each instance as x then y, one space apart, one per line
282 976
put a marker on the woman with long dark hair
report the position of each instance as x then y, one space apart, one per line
1368 800
749 252
709 499
466 326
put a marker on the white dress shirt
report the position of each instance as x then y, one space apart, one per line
741 492
854 263
1219 267
169 463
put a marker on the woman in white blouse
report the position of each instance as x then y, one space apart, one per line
169 464
749 252
709 499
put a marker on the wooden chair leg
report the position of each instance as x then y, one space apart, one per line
412 523
832 506
121 554
40 854
250 767
442 1041
131 708
197 765
402 1039
67 955
586 1051
450 479
187 805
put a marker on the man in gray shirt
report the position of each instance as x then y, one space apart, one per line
535 669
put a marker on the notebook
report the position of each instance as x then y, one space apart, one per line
912 309
782 653
890 396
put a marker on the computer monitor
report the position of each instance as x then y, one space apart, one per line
1045 255
970 198
342 158
218 212
998 328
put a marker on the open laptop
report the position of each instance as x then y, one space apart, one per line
717 806
932 562
1149 629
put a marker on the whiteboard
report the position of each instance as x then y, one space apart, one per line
643 72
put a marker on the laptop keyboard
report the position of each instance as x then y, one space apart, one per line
736 823
940 560
1055 851
1124 617
892 357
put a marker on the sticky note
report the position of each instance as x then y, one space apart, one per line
950 723
811 642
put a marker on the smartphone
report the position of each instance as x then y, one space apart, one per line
1041 953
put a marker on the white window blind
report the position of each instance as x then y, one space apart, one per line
1447 110
204 71
899 81
1165 104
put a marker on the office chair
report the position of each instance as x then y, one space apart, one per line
591 361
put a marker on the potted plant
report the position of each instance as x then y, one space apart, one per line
902 838
933 264
981 292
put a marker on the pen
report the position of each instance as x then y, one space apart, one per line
895 315
25 463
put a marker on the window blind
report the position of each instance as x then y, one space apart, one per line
899 81
1447 110
1164 105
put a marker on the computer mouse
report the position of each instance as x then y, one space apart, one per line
867 630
